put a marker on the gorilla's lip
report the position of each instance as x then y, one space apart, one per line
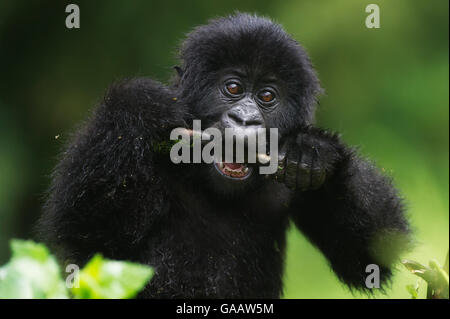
236 171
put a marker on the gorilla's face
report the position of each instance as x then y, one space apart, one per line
247 99
247 72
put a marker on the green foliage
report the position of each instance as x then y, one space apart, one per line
413 290
33 272
435 276
102 278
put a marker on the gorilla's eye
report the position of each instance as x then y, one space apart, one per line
266 96
234 88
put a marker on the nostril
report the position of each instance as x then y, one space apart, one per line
235 118
252 122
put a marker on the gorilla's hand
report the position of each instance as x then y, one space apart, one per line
307 159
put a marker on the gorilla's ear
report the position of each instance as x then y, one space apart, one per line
179 70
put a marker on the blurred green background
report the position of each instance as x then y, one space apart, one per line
386 91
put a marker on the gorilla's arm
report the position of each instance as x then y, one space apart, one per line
106 192
349 210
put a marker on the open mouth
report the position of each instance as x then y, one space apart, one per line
233 170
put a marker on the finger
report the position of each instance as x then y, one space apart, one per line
305 169
282 151
290 175
318 176
304 176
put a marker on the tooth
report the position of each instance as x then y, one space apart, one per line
263 158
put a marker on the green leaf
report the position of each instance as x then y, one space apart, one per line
440 285
435 276
106 279
413 290
414 266
31 273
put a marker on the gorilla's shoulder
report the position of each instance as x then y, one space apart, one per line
138 92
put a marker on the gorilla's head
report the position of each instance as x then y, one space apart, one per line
246 71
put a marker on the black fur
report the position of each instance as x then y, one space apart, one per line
114 193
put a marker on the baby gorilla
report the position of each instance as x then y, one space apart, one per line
209 232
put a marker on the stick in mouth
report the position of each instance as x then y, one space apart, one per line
261 157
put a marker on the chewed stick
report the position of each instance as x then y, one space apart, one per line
262 158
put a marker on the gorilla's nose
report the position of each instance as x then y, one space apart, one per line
243 117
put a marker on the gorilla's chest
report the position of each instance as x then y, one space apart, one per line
208 250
